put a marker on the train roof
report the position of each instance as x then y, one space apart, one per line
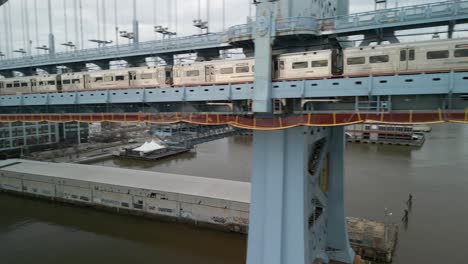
122 70
306 53
413 44
214 62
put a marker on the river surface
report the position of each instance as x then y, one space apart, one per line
377 177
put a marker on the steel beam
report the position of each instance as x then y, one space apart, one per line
295 172
264 36
337 235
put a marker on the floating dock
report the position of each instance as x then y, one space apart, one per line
214 203
153 156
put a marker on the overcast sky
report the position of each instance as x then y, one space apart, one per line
148 13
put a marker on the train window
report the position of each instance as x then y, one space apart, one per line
242 69
24 84
379 59
76 81
41 83
411 55
1 85
356 60
300 65
108 78
229 70
193 73
119 78
98 79
9 85
281 65
320 63
402 55
438 54
168 74
16 84
461 53
144 76
51 82
66 82
253 68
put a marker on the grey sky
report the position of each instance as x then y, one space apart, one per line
237 12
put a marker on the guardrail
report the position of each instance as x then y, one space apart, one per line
385 18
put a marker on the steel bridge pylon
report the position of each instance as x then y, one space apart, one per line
297 209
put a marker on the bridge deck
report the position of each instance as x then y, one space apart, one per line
394 85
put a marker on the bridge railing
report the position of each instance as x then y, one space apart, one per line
395 15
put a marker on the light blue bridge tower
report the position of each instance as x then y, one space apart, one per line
297 212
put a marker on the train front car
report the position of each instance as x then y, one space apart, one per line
151 76
214 72
16 85
305 65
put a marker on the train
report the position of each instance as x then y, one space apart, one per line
388 59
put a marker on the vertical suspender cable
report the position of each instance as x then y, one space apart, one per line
75 15
199 14
51 29
155 19
81 24
7 35
23 30
134 10
104 20
65 20
28 35
136 32
36 23
208 15
176 11
116 22
97 20
10 30
169 15
223 2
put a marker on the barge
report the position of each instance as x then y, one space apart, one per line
373 133
213 203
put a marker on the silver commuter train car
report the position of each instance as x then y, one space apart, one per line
436 55
45 83
219 71
15 85
156 76
310 64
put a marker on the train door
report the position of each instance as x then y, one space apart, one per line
58 83
34 85
86 81
407 59
210 73
132 78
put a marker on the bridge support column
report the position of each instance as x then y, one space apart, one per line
297 213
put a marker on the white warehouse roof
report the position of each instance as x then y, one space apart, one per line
157 181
